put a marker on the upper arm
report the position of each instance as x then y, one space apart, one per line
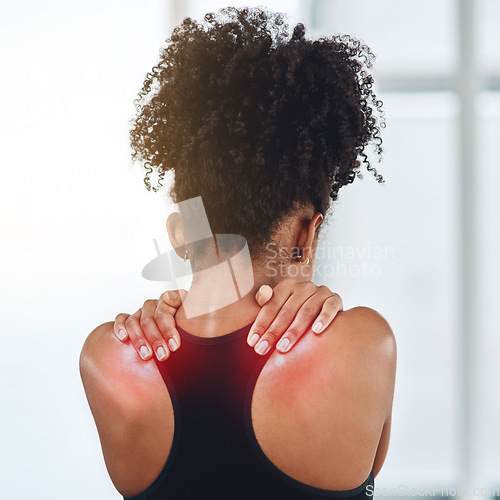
383 446
385 350
369 342
120 390
370 360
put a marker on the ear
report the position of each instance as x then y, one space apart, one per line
176 234
306 235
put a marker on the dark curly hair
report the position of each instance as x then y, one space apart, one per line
256 121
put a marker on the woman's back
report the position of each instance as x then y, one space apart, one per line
264 126
218 420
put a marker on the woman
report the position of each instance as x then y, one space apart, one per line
264 127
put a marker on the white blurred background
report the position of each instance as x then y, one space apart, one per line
77 226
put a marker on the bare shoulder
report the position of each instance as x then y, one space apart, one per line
103 354
112 371
363 326
352 365
360 344
354 359
359 337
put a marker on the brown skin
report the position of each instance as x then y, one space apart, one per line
347 375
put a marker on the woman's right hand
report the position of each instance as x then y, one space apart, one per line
152 327
288 311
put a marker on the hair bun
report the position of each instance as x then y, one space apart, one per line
257 119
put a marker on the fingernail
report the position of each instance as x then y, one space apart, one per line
122 334
265 293
144 352
253 339
283 345
172 343
317 327
162 354
262 347
172 295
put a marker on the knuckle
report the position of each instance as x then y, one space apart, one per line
259 329
159 314
272 309
150 303
335 299
131 321
271 336
292 334
307 312
286 314
147 322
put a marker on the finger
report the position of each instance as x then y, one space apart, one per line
164 319
119 327
330 309
309 312
267 314
151 332
298 292
174 298
137 337
264 293
281 322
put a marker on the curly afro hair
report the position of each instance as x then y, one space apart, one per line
255 120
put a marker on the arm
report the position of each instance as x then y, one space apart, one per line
382 447
364 351
121 390
379 344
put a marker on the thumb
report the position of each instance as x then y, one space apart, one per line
174 298
264 293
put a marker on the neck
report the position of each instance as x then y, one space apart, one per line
220 301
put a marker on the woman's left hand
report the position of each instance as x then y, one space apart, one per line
288 311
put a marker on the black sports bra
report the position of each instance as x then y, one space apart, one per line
215 454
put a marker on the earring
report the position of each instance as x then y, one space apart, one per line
299 256
185 255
